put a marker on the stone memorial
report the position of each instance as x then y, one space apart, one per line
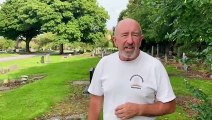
47 58
184 60
42 59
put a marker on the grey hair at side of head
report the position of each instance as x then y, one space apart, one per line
130 19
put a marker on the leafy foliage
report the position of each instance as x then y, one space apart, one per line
184 25
79 20
203 108
6 44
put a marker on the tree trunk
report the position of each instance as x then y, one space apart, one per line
61 48
27 45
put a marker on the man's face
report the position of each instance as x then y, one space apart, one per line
128 40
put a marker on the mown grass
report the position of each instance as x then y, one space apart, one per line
32 100
29 62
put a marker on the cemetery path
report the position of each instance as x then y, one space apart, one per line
5 59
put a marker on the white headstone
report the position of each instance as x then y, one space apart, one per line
47 58
184 59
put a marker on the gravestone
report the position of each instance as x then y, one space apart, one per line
93 53
210 76
102 54
170 53
69 55
47 58
24 79
184 59
91 73
42 59
6 81
211 67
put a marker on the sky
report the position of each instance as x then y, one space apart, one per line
1 1
113 7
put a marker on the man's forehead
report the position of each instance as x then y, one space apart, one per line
128 25
128 29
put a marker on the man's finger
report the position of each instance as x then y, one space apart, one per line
119 107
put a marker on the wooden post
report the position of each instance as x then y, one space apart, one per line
166 58
157 50
152 50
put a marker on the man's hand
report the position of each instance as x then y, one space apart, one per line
129 110
126 111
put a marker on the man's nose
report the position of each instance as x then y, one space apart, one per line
130 39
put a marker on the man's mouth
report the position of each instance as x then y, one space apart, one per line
129 48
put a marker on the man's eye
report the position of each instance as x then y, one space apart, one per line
124 35
136 35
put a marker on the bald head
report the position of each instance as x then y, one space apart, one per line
127 38
127 23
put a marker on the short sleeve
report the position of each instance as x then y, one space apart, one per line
95 87
164 91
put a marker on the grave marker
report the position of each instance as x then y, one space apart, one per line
42 59
184 59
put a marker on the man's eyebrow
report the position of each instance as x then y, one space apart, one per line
124 33
138 32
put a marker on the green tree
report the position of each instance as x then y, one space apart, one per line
22 18
44 40
79 20
184 24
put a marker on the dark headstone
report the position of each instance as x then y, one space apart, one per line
42 59
91 73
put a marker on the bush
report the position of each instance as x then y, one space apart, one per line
5 44
203 108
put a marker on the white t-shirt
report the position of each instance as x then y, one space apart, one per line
143 80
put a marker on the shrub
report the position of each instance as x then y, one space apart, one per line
204 107
6 44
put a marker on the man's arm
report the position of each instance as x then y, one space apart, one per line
95 107
129 110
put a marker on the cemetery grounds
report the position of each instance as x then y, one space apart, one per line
54 89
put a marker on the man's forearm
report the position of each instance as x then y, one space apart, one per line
94 107
93 114
156 109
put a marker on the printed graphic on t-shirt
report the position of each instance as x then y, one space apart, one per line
136 81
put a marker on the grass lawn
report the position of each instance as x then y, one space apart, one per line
32 100
41 95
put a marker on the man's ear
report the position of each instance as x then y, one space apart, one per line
142 37
114 41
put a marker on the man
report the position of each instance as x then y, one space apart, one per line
131 84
